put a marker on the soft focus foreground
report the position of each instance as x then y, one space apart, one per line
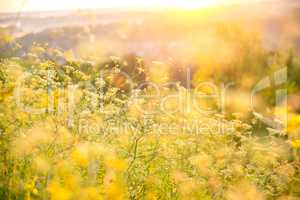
78 123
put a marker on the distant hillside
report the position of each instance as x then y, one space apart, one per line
159 34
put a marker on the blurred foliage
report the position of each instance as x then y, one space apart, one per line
95 142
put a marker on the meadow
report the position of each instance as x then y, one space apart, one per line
212 118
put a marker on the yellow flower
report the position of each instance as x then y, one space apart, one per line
72 181
293 123
116 164
295 144
90 193
35 191
80 157
57 192
115 191
151 196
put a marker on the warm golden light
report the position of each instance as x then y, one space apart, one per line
86 4
192 4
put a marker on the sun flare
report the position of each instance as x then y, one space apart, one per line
192 4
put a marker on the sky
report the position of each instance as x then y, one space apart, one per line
35 5
45 5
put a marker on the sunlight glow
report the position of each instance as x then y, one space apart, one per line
86 4
192 4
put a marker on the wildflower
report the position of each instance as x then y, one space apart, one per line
41 164
116 164
32 139
90 193
295 144
188 187
35 191
179 176
293 124
151 196
57 192
115 191
244 191
202 161
80 157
